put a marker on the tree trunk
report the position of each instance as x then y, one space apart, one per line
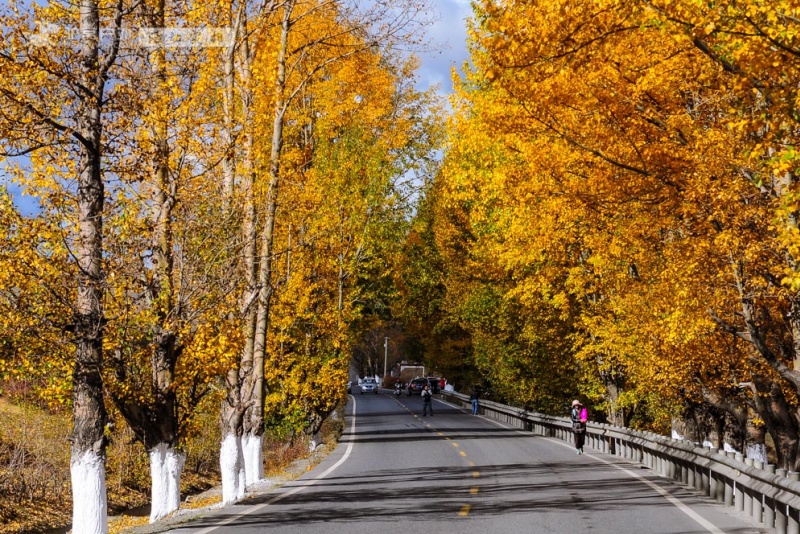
233 460
166 467
231 456
254 418
783 428
156 425
755 442
87 463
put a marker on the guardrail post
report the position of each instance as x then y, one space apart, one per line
758 507
781 521
729 490
720 496
705 482
712 485
747 506
794 522
769 512
738 497
698 478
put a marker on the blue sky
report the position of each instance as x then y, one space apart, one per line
450 35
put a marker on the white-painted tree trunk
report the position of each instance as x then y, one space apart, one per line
727 447
253 458
90 505
758 452
166 466
232 469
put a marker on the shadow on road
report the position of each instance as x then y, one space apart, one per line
388 494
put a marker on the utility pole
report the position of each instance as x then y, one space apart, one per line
385 354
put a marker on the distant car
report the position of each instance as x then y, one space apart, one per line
369 385
434 382
415 386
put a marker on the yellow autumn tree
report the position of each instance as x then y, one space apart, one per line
597 179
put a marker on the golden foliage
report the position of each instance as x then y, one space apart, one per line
619 183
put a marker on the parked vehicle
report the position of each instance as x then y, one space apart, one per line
434 384
415 386
369 385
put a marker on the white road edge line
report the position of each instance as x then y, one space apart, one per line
703 522
303 484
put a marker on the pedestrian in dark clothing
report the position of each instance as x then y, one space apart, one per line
427 404
474 395
579 416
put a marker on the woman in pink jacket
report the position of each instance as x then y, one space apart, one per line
579 415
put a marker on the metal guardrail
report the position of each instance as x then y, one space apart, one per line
770 496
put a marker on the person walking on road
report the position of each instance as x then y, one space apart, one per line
427 404
474 395
579 416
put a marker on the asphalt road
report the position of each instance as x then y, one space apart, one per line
398 472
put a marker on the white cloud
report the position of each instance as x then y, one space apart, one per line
449 40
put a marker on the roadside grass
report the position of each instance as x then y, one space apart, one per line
35 488
34 469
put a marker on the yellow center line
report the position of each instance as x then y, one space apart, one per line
464 510
462 453
473 490
476 474
471 464
455 444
